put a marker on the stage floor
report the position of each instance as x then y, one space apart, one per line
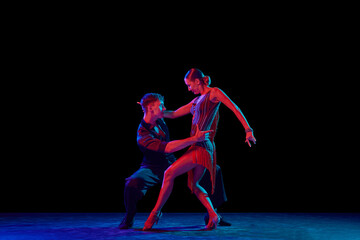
249 226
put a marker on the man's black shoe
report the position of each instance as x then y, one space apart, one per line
126 223
223 222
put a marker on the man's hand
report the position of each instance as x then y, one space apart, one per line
202 135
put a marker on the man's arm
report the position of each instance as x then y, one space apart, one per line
147 141
177 145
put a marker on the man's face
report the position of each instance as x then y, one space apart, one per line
157 108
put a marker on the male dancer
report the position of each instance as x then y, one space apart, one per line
154 141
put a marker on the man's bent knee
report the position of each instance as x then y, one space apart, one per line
134 183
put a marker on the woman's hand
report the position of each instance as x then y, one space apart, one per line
250 137
201 136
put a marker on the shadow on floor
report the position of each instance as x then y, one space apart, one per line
174 229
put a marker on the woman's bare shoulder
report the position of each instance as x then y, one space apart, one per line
214 93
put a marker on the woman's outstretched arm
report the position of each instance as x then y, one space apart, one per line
219 95
179 112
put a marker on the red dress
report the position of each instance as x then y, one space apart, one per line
206 117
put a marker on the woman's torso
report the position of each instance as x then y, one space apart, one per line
205 114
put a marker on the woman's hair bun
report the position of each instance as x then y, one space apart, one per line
196 73
207 80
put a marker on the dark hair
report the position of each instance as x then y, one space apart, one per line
196 73
150 98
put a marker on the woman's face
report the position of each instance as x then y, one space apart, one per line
193 86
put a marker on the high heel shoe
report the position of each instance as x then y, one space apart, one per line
213 222
152 219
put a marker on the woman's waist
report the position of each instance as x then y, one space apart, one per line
208 144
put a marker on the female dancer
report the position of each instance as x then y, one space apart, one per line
200 156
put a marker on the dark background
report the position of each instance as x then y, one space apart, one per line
71 119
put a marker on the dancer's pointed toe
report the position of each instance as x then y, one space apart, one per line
213 222
152 219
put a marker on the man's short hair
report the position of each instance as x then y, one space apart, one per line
150 98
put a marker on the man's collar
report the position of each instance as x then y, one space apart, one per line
147 125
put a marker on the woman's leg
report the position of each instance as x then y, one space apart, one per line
199 191
181 166
219 197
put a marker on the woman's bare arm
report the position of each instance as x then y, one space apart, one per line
182 111
219 95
